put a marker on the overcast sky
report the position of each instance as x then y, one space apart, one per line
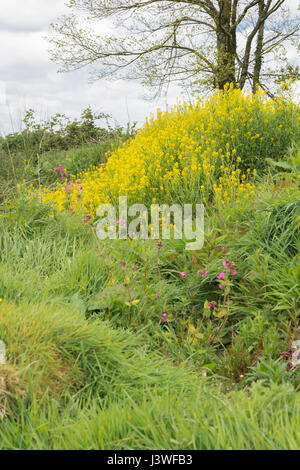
29 80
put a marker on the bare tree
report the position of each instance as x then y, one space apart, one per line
192 42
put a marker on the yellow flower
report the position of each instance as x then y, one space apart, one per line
176 152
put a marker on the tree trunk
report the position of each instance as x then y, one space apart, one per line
226 46
258 51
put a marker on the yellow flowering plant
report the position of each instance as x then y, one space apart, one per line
209 150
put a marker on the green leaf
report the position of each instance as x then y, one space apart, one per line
132 303
220 313
282 164
210 366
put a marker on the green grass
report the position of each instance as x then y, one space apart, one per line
92 365
268 419
88 370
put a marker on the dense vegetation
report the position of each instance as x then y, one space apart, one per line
128 344
210 149
29 156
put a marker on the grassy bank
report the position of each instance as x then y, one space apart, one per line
128 344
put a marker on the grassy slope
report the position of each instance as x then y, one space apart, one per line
69 378
88 368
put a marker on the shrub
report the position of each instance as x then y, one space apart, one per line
30 156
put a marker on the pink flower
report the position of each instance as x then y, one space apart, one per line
221 287
202 273
86 218
123 263
159 245
230 267
117 221
164 317
221 275
223 248
211 338
136 267
156 295
212 305
183 274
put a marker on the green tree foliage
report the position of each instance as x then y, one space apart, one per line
196 43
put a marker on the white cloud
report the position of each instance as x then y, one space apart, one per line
30 15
